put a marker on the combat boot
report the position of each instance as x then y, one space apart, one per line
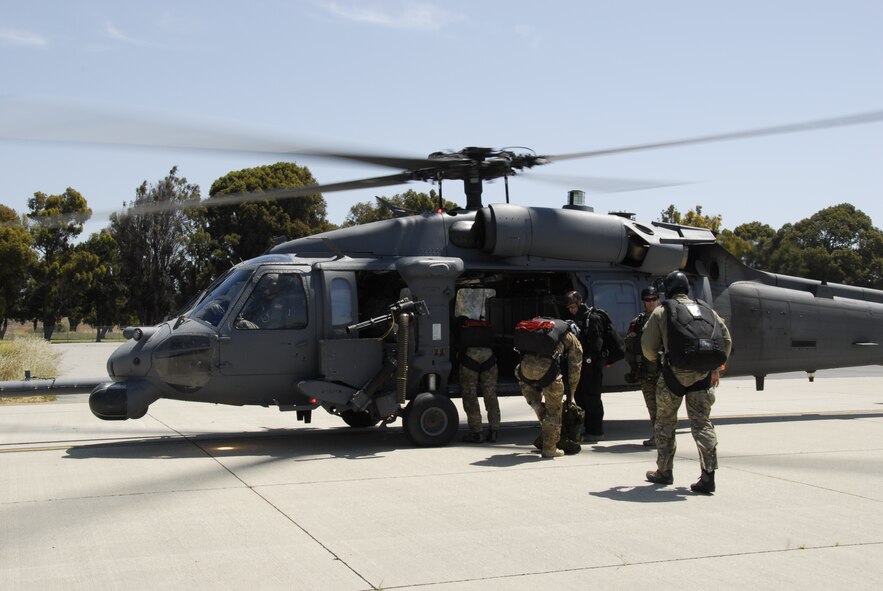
660 477
472 437
552 453
705 484
569 447
492 435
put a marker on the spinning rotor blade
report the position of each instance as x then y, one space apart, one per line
277 195
77 122
857 119
225 200
599 184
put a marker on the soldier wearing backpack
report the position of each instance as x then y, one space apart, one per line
547 344
696 342
591 338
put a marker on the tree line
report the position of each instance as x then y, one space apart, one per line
149 262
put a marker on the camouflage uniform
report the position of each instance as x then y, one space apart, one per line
547 402
470 380
646 372
667 403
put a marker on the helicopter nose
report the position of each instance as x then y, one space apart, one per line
133 358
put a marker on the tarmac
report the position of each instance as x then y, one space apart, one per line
204 497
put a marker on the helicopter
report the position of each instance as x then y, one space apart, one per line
359 321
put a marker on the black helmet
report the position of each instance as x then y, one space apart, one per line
675 283
648 292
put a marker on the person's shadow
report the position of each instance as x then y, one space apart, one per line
651 493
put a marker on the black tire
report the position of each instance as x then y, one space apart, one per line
431 420
357 419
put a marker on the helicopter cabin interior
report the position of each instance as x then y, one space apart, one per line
517 296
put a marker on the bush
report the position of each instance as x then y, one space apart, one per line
27 353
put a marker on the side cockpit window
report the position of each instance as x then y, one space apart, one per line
278 302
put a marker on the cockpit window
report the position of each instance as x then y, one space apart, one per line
277 302
213 307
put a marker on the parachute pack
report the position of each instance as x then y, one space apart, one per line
540 335
695 340
614 347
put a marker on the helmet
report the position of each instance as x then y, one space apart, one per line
270 285
675 283
649 292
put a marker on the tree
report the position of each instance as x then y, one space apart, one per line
54 220
749 242
409 201
694 217
247 230
152 247
838 244
78 273
107 294
16 261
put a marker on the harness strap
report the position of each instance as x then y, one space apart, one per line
548 378
470 363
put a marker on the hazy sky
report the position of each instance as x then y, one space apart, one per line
410 78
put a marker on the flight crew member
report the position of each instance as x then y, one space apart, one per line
643 371
545 394
272 305
478 364
588 391
699 401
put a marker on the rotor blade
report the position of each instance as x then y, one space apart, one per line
598 184
277 195
78 122
857 119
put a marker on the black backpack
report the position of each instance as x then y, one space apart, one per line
614 347
540 335
695 339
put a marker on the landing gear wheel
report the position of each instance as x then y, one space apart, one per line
431 420
358 419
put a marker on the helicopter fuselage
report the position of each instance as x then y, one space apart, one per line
230 347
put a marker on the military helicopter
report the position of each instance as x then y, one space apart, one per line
358 321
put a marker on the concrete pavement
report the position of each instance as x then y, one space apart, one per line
203 496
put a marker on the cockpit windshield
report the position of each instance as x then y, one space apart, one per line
216 302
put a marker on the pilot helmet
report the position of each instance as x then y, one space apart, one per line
675 283
270 284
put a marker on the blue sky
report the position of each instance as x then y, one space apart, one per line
412 78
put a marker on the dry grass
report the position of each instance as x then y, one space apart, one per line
27 353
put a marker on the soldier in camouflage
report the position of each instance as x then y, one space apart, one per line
478 364
547 402
699 402
643 371
478 369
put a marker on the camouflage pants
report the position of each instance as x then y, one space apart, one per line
648 389
470 381
553 396
698 411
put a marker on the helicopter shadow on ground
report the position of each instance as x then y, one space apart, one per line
305 444
282 444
